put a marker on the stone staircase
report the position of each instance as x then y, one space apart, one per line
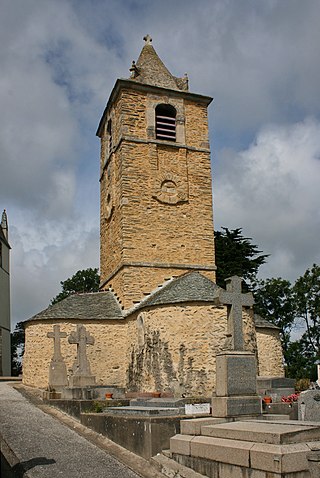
255 448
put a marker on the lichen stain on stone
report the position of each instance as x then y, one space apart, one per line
151 368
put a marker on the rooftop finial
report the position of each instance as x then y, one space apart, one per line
148 39
4 223
134 70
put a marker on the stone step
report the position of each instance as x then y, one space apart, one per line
258 431
232 457
193 425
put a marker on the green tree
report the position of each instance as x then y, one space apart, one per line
307 299
274 300
17 349
86 280
236 255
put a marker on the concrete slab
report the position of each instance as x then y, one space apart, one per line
149 411
273 417
264 432
193 426
181 444
280 458
221 450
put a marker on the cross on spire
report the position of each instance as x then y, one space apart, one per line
147 39
56 335
235 300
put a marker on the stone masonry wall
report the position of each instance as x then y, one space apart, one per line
269 353
165 348
156 201
107 356
173 348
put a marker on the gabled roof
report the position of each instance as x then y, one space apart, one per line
90 306
261 322
190 287
150 70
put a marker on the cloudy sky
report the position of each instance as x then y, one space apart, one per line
59 60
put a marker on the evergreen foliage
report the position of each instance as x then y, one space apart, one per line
86 280
236 255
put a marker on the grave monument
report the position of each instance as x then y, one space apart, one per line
57 371
236 369
81 376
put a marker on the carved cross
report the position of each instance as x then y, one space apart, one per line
82 338
56 335
235 300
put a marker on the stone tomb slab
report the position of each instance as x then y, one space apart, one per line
261 432
146 411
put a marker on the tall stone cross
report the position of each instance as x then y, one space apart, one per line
82 338
56 335
235 300
57 369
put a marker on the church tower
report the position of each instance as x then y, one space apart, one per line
155 176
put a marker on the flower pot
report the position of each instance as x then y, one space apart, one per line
267 399
109 396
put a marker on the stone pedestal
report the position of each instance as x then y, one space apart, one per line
82 381
57 375
236 388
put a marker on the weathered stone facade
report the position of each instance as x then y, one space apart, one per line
135 167
157 322
169 348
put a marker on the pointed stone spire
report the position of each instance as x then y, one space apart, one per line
150 70
4 224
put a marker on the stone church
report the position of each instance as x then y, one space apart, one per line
158 320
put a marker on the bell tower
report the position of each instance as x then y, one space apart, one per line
156 199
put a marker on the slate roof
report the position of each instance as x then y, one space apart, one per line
90 306
263 323
190 287
151 70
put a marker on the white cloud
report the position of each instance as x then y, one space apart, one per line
59 61
272 191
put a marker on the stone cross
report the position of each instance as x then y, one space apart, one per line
82 338
147 39
235 300
56 335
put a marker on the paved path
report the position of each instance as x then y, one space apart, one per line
46 447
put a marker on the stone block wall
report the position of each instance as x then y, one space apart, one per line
107 356
270 354
173 348
156 198
167 348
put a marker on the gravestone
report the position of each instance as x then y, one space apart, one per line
236 369
309 406
57 370
82 376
